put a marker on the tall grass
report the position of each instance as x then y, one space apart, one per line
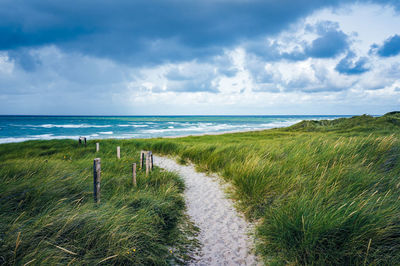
48 216
323 192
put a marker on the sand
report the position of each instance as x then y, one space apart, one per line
223 231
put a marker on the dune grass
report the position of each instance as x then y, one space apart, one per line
321 192
48 215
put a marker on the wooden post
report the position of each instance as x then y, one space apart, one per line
141 159
151 161
147 163
134 174
96 179
118 152
82 140
97 147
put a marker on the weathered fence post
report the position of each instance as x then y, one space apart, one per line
141 159
134 174
147 163
82 139
118 152
96 179
97 147
151 161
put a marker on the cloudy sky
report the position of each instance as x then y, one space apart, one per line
212 57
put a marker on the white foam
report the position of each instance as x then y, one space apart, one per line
42 136
106 132
10 140
207 127
36 137
199 127
279 124
68 126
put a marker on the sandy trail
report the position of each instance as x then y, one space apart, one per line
223 231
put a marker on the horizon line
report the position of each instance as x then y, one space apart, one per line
183 115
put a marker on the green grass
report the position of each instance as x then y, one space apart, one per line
48 215
322 192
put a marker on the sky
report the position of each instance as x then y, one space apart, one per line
199 57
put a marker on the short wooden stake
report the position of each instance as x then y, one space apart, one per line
118 152
134 174
96 179
141 159
82 140
147 163
97 147
151 161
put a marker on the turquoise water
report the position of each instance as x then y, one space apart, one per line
21 128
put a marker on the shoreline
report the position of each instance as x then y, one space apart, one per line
141 135
23 139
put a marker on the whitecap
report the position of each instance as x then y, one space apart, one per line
68 126
133 125
140 125
36 137
106 132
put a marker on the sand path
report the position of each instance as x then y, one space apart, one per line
223 231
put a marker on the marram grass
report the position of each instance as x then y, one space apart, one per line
48 215
321 192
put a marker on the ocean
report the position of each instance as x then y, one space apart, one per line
22 128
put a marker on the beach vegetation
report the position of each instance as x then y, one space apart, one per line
48 215
321 192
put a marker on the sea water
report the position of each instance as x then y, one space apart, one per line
21 128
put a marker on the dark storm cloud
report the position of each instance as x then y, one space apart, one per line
152 32
349 66
390 47
145 30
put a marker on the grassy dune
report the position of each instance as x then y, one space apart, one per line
322 192
48 216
